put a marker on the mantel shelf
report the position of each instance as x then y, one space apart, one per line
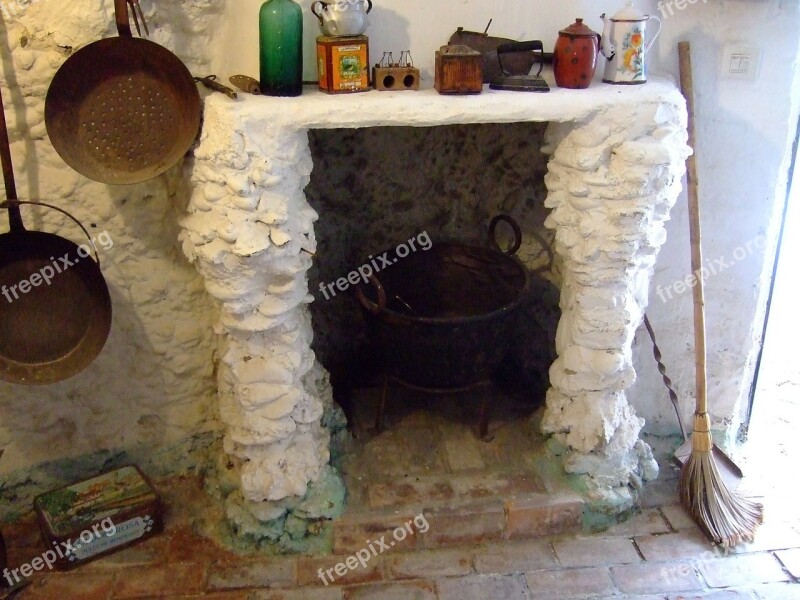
426 108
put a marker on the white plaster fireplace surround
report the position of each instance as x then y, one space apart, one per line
617 158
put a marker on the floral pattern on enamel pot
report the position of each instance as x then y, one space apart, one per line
631 67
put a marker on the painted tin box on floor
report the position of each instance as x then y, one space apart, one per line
98 516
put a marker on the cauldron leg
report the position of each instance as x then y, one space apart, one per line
484 417
3 560
382 405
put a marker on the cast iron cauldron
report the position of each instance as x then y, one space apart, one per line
443 318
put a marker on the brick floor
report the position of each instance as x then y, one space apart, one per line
145 582
730 594
515 557
653 578
496 531
463 452
672 546
336 569
749 569
645 522
570 583
483 587
412 590
587 552
790 560
476 524
245 573
677 517
330 593
772 535
430 563
535 516
778 591
88 587
678 566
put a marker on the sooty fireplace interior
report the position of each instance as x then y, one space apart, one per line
442 312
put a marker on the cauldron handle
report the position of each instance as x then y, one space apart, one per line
368 304
517 234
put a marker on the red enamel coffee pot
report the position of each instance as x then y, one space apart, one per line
575 56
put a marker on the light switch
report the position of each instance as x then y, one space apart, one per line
741 62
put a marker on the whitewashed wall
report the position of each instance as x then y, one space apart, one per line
152 387
744 130
744 133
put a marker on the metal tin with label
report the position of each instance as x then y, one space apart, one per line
343 64
98 516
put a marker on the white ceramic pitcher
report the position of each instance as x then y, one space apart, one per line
625 47
342 17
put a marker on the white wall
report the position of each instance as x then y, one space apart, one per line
744 133
152 387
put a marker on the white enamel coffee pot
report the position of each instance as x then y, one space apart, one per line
624 45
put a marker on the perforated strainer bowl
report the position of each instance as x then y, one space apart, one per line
122 110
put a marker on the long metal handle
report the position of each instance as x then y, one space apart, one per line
14 216
138 14
673 396
123 19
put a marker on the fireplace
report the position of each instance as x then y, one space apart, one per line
616 159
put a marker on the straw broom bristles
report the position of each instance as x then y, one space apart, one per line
726 518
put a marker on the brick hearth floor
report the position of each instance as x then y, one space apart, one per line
498 529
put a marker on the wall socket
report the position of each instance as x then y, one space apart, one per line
741 62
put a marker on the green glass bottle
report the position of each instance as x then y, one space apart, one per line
281 42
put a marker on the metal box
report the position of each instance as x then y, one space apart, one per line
343 64
459 70
92 518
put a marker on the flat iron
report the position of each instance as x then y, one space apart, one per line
521 83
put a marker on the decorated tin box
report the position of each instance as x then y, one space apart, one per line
92 518
343 64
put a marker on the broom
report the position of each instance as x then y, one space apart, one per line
727 518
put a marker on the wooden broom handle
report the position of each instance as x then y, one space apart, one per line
687 88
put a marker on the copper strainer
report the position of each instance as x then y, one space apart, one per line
122 110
